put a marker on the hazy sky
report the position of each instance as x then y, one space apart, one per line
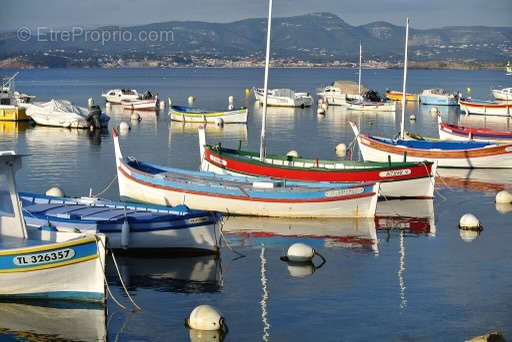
423 14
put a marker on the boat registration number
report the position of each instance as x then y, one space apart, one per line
197 220
344 192
395 173
44 258
218 160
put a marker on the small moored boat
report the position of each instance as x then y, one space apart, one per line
504 94
395 95
133 227
396 179
62 113
118 95
486 107
43 263
283 98
455 132
194 114
439 97
144 182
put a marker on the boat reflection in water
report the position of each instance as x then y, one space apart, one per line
358 233
183 275
53 321
480 180
10 129
409 217
414 216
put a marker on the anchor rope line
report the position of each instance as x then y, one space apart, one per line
108 186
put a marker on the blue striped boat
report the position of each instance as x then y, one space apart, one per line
144 182
137 228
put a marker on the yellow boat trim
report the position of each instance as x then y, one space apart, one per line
49 247
60 264
206 114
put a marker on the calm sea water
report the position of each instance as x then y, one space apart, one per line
410 278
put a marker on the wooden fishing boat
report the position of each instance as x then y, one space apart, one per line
396 179
394 95
463 154
43 263
137 228
144 182
486 107
455 132
194 114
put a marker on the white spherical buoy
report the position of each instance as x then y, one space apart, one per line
469 222
219 122
468 235
412 117
169 101
320 111
231 99
341 150
205 317
135 116
162 105
90 102
231 107
503 197
191 99
293 154
300 252
55 191
124 126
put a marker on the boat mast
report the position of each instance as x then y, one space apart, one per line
360 60
402 128
265 86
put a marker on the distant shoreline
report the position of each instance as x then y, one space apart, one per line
14 63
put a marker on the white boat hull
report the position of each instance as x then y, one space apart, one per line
140 105
130 188
504 109
62 281
283 101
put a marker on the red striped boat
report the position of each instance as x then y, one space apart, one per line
463 154
454 132
397 179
